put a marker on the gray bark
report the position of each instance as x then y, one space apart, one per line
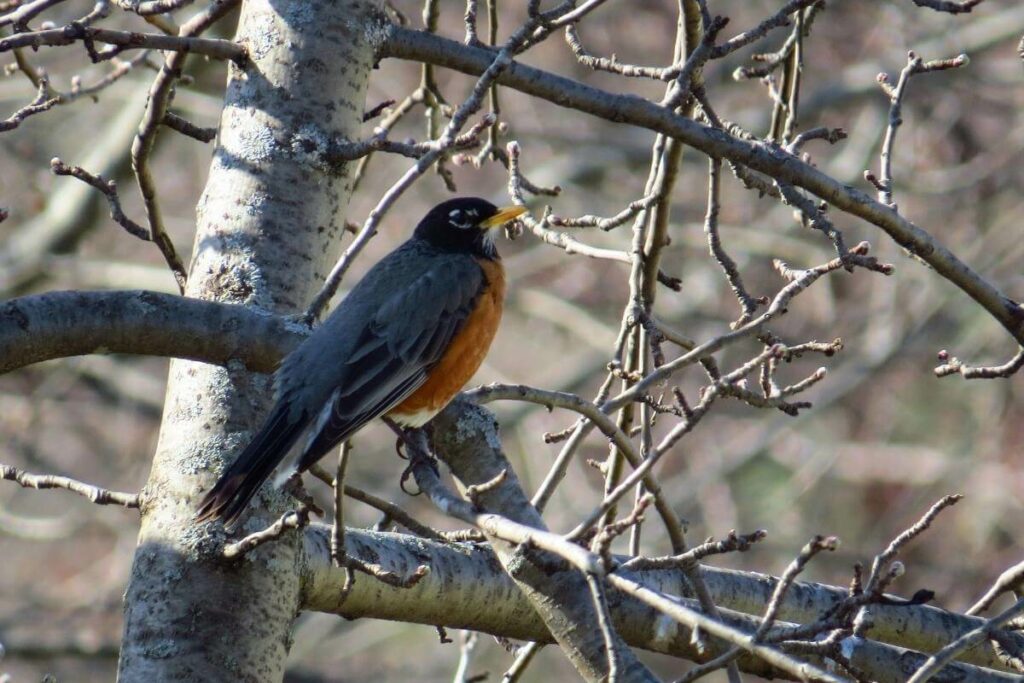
467 439
468 588
42 327
269 226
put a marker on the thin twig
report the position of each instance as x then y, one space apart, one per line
338 528
293 519
43 101
389 509
523 659
186 127
95 494
915 65
952 366
109 190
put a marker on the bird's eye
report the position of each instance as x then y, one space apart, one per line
457 217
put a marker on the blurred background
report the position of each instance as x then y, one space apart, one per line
884 440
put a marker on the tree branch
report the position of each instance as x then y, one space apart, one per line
60 324
405 43
66 35
95 494
468 588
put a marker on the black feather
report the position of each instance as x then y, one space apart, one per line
243 478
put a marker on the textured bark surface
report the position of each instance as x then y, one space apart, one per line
467 439
467 588
269 226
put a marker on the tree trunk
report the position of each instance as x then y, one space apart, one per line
269 226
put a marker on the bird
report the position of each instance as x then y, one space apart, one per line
401 344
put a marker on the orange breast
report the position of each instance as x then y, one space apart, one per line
463 356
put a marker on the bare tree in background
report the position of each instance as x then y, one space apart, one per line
715 319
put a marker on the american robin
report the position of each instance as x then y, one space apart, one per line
403 342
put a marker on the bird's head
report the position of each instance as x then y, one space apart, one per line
464 224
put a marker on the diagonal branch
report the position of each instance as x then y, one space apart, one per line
404 43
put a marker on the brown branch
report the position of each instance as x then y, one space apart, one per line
26 12
109 190
748 304
612 64
43 101
609 223
516 189
731 543
159 99
338 555
919 527
807 553
915 65
186 127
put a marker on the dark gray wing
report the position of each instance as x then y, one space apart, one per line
405 337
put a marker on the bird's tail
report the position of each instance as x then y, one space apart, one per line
240 482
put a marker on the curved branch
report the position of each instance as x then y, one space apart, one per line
406 43
60 324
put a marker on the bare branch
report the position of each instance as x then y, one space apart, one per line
952 366
95 494
388 508
407 44
1010 580
43 101
186 127
109 190
293 519
947 654
915 65
919 527
126 40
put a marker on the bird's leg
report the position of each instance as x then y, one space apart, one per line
419 441
400 435
417 447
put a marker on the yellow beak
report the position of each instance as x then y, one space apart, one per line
504 215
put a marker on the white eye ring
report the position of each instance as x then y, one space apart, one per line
458 219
